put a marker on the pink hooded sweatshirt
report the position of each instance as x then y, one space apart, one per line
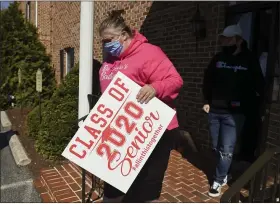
145 63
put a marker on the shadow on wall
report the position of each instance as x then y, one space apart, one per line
168 26
96 65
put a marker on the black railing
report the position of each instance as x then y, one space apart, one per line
96 183
259 183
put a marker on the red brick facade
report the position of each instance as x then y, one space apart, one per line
166 24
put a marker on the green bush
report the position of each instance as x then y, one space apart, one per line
3 102
59 117
33 121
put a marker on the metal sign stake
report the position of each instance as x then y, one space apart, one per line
39 90
19 84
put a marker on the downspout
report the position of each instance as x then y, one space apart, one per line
36 14
86 55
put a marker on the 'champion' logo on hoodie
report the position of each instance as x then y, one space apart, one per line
224 65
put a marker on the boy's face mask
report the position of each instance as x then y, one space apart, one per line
228 45
230 49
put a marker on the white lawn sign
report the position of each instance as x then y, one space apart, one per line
119 134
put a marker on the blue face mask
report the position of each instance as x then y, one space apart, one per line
114 48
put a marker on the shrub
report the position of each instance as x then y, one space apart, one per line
33 121
59 117
3 102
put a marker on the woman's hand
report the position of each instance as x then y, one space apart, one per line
145 94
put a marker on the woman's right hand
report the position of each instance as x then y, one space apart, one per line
206 108
145 94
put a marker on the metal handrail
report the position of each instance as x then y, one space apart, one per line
250 174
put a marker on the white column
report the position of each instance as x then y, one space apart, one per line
36 14
86 56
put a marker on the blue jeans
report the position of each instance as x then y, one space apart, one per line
224 129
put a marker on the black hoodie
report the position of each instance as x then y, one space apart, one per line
232 81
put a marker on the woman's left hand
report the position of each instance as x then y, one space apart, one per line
145 94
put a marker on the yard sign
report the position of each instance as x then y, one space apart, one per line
119 134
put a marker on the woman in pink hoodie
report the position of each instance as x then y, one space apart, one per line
130 53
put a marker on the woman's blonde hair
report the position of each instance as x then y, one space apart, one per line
115 21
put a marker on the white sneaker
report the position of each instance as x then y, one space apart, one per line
215 190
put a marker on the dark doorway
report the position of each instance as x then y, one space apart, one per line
259 22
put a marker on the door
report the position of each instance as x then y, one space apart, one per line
259 23
272 74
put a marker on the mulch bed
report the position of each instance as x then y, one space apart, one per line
18 117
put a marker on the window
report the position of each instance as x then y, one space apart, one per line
69 55
263 34
67 58
61 55
27 10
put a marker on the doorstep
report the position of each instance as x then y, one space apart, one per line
183 182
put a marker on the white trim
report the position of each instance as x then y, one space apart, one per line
36 14
66 62
86 55
28 10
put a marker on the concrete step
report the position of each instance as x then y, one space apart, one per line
16 147
6 124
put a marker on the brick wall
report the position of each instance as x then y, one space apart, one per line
135 14
44 24
43 20
65 31
58 28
